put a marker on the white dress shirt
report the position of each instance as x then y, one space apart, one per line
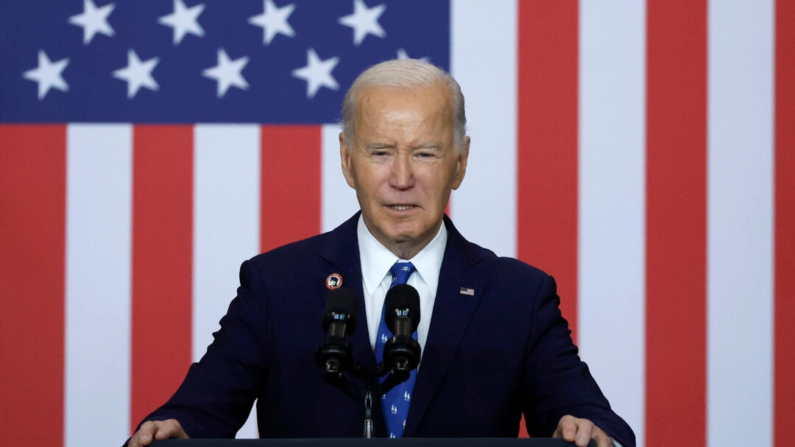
376 260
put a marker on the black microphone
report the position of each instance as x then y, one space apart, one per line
402 314
339 321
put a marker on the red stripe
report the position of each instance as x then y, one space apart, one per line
547 145
290 192
676 225
161 264
784 361
32 272
547 142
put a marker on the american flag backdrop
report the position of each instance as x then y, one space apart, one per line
641 152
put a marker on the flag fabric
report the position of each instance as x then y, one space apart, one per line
641 152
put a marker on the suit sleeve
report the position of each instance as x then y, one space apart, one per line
557 382
216 397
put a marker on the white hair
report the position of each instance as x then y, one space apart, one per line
404 74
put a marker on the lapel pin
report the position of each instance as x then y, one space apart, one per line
466 291
334 281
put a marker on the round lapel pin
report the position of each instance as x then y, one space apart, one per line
334 281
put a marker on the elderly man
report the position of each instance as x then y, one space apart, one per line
495 345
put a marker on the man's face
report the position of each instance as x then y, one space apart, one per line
403 164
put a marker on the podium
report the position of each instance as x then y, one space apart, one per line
376 442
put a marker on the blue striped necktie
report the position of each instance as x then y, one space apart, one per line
395 403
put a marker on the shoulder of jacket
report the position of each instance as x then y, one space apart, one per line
299 251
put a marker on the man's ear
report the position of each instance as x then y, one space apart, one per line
345 158
461 164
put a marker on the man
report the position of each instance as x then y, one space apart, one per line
494 343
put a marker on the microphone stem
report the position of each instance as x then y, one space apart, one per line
338 329
402 326
368 413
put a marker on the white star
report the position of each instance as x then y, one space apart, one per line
317 73
183 20
364 21
273 21
93 20
401 54
48 74
137 74
227 73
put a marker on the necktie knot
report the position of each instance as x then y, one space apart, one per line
400 272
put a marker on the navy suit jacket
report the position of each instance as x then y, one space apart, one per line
488 358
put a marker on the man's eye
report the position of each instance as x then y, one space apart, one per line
380 153
425 155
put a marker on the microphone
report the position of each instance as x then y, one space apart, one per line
339 321
402 314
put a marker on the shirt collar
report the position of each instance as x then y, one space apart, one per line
376 259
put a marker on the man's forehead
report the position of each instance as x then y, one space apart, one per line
430 94
389 125
382 105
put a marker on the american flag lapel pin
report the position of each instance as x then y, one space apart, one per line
467 291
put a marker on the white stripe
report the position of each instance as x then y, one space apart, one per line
612 202
338 201
483 60
226 224
98 275
740 226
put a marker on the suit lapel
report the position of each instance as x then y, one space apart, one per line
341 250
452 312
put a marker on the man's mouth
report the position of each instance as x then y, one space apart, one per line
401 207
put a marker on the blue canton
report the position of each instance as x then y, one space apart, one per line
203 61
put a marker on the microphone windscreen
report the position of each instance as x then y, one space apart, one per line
341 301
402 297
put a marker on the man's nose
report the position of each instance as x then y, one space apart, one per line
402 174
